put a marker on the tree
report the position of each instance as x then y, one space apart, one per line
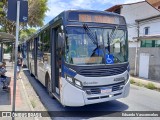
26 33
36 14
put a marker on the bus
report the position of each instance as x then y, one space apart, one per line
81 57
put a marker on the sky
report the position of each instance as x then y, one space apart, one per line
57 6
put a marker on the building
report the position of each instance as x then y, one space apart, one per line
154 3
144 37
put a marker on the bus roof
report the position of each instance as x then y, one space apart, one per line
75 13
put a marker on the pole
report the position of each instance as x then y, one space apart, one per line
15 63
135 70
1 52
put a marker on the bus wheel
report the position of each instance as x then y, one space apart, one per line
30 71
49 88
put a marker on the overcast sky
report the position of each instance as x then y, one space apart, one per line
57 6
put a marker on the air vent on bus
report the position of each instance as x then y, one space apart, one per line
102 71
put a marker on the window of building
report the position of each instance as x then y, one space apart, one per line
157 43
150 43
146 30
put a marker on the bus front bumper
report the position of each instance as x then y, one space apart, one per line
73 96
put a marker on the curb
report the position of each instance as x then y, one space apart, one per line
27 99
145 81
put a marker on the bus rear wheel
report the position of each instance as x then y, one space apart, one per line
49 88
30 71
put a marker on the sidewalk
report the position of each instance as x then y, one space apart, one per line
145 81
6 98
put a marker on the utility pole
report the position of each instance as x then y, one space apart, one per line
136 56
15 63
17 11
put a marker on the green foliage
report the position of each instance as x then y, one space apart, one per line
8 48
132 81
139 84
36 14
26 33
37 9
150 86
33 104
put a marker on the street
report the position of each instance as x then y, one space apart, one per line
139 99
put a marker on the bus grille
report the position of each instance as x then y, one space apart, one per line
97 90
103 71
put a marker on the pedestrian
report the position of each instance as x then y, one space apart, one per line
19 65
4 79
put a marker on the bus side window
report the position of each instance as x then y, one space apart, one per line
40 48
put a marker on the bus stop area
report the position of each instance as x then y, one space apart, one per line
25 99
6 96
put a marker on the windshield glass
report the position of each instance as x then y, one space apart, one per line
95 46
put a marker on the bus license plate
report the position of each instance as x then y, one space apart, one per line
106 90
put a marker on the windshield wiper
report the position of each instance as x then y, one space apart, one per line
113 33
91 35
111 37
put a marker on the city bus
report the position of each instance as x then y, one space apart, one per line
81 57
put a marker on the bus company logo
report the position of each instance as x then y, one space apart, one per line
89 83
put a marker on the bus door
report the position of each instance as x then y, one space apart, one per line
28 49
35 55
56 60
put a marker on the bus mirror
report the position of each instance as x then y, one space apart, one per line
62 27
60 39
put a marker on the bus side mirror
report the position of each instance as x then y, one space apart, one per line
60 39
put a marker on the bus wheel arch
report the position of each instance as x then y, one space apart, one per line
48 84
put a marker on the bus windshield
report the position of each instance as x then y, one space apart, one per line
85 45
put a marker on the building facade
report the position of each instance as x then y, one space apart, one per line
144 38
154 3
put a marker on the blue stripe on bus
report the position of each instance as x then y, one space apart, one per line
67 71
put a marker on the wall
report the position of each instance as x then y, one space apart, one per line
154 62
136 11
134 44
152 24
132 53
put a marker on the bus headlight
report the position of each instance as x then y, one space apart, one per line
127 78
69 79
74 81
78 83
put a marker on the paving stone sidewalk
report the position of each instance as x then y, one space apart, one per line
23 102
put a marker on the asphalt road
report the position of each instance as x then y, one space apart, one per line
139 99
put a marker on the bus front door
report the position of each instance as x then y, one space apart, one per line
35 56
56 61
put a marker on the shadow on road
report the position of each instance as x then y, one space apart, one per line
57 110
